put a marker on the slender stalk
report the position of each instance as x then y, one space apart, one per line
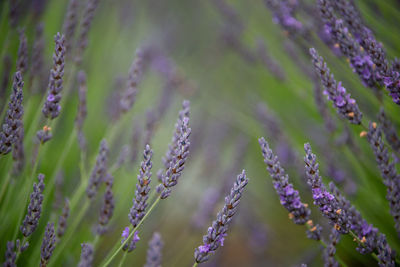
109 258
71 229
195 264
60 161
6 182
121 263
325 246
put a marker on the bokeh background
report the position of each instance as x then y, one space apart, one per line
246 77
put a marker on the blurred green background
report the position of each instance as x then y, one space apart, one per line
224 87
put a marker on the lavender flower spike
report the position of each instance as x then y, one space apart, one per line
84 28
177 154
154 253
328 204
138 209
10 255
217 232
31 220
18 152
62 221
330 250
389 130
13 120
48 245
135 76
22 60
107 209
289 197
385 254
82 109
37 61
344 104
388 172
99 171
51 108
132 243
86 255
70 22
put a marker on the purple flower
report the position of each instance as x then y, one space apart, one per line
154 253
217 232
177 153
388 171
204 248
128 97
99 172
289 197
13 119
33 215
138 210
50 97
51 108
125 233
344 104
136 237
328 204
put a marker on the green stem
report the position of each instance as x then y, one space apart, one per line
60 161
109 259
64 241
121 263
4 186
195 264
325 246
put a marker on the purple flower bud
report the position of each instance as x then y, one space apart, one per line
328 204
62 220
99 171
13 119
336 93
388 171
86 255
217 232
32 217
107 209
177 153
70 23
86 22
138 210
48 245
154 252
330 250
125 233
51 108
10 255
22 60
128 97
289 197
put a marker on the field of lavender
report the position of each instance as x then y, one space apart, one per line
212 133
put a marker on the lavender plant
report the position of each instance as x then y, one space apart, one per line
218 231
342 101
51 108
196 52
13 121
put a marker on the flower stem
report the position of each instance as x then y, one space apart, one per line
109 259
121 263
